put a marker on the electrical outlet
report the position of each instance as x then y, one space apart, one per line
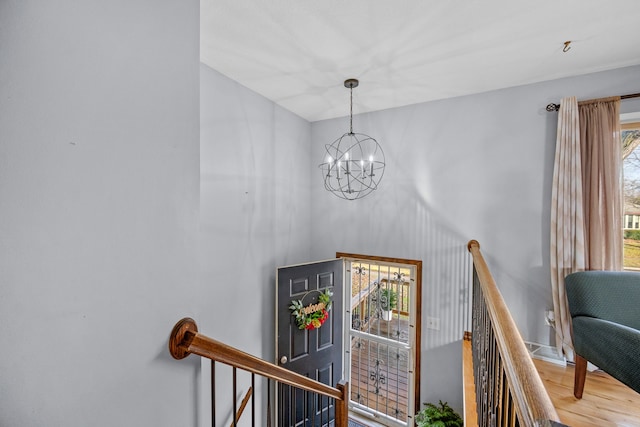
433 323
549 318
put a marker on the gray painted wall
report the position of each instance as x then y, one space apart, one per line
99 178
255 205
474 167
254 215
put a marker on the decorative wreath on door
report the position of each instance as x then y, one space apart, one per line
313 315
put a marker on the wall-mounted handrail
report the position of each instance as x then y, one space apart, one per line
495 330
185 339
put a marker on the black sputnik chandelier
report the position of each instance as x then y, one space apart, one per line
354 163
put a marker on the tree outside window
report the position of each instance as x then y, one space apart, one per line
630 135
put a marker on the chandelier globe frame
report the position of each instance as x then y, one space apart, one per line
354 163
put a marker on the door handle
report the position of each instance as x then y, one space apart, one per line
283 360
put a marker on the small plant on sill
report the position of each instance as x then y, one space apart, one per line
388 299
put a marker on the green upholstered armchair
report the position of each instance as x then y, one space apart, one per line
605 315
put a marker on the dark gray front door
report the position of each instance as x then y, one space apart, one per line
315 353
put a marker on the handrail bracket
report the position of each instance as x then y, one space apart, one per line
181 336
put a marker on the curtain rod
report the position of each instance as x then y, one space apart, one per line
556 107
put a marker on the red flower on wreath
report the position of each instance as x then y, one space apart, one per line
316 323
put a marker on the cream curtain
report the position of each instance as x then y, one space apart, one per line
602 183
567 224
586 199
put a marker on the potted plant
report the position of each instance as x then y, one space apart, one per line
388 301
438 416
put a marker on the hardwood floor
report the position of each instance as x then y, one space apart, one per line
605 402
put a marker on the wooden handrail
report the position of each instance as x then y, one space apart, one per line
530 397
185 339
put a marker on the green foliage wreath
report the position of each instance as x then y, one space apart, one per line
314 315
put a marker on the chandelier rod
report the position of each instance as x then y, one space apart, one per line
351 83
351 111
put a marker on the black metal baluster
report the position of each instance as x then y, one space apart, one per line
253 400
268 402
213 393
305 412
235 409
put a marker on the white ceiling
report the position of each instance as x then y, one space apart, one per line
298 52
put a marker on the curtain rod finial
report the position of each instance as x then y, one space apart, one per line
553 107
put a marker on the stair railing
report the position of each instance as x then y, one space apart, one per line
509 391
185 339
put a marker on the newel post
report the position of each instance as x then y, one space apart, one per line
342 405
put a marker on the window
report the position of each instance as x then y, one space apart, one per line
630 136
